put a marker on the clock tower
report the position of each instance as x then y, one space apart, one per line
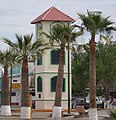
46 66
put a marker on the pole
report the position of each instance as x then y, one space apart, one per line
11 85
68 79
1 86
30 107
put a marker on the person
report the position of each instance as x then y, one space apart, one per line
110 100
33 104
103 101
114 99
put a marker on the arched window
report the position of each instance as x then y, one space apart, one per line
39 29
55 23
55 54
53 84
39 84
39 60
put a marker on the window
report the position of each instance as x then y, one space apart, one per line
53 84
39 60
14 80
13 93
39 84
32 91
55 54
39 30
39 95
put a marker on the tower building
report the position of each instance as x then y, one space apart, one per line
46 66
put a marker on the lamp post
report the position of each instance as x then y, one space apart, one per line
11 84
68 78
1 85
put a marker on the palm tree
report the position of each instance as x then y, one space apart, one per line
26 49
7 58
61 35
95 24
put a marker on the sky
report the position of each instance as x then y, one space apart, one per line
16 15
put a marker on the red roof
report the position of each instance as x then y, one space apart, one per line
53 14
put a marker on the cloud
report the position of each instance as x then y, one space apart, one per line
16 15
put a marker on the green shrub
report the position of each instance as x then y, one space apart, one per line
112 114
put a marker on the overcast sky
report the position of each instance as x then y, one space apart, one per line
16 15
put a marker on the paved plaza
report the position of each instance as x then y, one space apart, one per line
46 116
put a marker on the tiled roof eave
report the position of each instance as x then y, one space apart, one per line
33 22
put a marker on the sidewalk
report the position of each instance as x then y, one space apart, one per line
46 116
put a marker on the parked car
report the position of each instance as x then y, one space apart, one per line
85 103
82 102
98 102
113 104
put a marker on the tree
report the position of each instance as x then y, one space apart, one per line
95 24
106 66
80 70
7 58
26 50
62 35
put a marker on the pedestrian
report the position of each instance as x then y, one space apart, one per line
103 101
110 100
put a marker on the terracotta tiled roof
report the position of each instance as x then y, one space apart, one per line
52 14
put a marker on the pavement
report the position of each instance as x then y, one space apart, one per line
102 114
46 115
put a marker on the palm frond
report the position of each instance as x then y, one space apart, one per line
106 39
95 23
8 57
62 34
8 42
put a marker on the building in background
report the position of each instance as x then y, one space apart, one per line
15 77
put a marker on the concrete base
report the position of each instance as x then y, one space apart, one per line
93 114
5 110
25 113
56 114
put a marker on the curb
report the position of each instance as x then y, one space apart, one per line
44 110
48 110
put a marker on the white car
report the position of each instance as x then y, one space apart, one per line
113 104
98 101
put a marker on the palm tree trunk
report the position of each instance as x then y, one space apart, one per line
25 104
5 100
59 85
92 80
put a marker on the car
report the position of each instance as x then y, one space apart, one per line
98 102
82 102
113 104
85 103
